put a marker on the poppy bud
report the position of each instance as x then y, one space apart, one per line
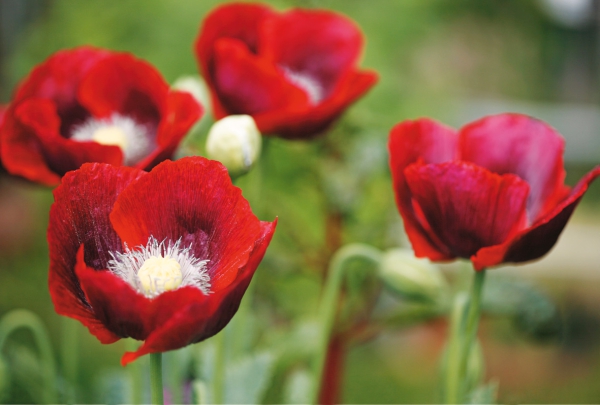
234 141
413 278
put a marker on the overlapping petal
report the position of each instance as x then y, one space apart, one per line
498 198
525 146
79 217
428 142
101 210
294 72
451 195
74 87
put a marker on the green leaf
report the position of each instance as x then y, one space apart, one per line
298 387
247 379
484 394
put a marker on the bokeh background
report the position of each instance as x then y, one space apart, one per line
454 61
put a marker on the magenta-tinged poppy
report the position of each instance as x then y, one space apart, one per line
92 105
293 72
492 192
164 257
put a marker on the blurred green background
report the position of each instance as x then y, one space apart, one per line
454 61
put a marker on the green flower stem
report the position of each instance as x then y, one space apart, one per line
70 357
463 336
474 314
452 376
329 304
21 318
135 374
156 385
219 369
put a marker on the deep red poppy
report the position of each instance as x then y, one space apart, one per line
109 223
294 72
492 192
92 105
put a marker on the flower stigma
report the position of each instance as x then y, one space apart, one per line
110 135
159 274
159 267
135 140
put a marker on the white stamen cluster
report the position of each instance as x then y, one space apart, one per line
193 270
311 86
138 140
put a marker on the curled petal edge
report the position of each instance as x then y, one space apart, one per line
535 241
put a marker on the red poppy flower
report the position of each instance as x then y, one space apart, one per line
163 257
294 72
92 105
492 191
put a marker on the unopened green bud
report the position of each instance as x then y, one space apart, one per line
234 141
411 277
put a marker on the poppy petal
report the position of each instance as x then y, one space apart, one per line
127 85
248 84
192 199
181 113
201 320
430 142
239 21
318 44
58 78
21 153
79 216
311 121
126 312
61 155
534 242
467 206
522 145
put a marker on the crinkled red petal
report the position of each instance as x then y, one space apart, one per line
80 216
192 199
248 84
124 311
429 142
467 206
319 44
537 240
237 20
525 146
124 84
199 320
181 113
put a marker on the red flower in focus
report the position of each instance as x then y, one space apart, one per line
163 257
91 105
492 192
294 72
